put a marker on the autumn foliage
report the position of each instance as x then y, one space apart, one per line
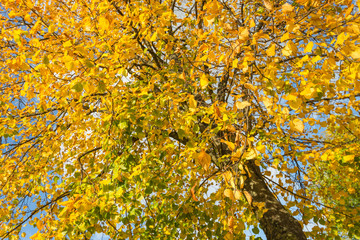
188 119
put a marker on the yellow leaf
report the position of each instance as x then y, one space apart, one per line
341 39
26 86
287 8
204 160
295 104
351 190
35 236
316 59
230 145
348 158
192 103
209 20
250 154
285 37
51 28
250 86
309 47
231 221
268 102
153 37
355 28
356 53
244 34
229 236
229 193
297 125
285 111
67 44
309 93
252 23
268 4
103 23
237 194
235 63
289 49
229 178
12 14
28 18
248 197
237 154
204 81
261 148
271 50
39 225
294 101
242 105
242 179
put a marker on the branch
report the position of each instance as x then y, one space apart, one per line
333 98
83 155
305 198
34 212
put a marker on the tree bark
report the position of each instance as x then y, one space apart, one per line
276 222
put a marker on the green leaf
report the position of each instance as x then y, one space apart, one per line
123 125
89 63
78 87
101 86
46 60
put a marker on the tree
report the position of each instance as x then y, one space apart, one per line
172 119
337 178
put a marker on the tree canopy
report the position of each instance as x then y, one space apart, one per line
179 119
336 179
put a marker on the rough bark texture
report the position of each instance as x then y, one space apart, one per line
277 222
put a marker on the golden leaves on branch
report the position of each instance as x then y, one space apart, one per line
356 53
269 5
192 104
250 86
204 81
271 50
309 92
242 105
230 145
297 125
287 8
268 103
248 197
237 194
251 154
309 47
244 34
204 160
229 178
235 182
289 49
229 193
294 101
104 23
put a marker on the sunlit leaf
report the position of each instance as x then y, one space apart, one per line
287 7
271 50
204 159
297 125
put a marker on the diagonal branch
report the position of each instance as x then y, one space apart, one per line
34 212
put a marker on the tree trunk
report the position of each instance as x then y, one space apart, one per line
277 222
